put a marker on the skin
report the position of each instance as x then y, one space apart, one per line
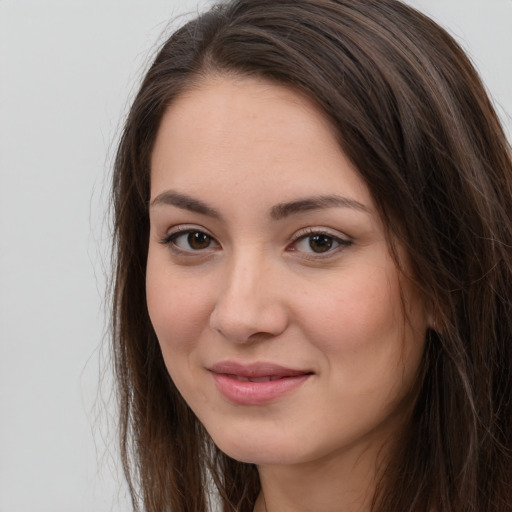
259 288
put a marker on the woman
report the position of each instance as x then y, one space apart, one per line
311 308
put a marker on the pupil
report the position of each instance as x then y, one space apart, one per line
320 243
198 240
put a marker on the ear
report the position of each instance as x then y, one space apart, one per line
433 318
431 322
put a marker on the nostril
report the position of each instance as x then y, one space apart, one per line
248 307
249 324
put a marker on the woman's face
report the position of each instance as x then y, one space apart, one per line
282 318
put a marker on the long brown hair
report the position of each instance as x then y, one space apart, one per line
414 118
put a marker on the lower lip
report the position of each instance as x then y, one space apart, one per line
256 393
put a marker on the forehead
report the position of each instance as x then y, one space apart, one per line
223 107
236 131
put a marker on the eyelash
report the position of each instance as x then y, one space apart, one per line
180 231
170 240
315 232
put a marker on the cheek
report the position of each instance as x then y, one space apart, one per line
179 313
371 353
177 308
369 348
361 312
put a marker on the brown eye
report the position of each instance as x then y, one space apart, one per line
320 243
198 240
190 241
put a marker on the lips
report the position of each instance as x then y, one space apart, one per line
256 383
254 379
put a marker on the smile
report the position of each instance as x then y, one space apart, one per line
256 384
255 379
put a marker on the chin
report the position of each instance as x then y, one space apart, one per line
260 457
257 448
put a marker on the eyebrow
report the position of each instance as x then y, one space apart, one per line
184 202
282 210
277 212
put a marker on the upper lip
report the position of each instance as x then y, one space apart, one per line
256 370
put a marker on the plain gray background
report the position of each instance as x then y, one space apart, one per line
67 71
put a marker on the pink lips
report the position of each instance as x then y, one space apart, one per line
256 383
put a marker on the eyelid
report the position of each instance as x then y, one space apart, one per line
320 230
343 240
182 229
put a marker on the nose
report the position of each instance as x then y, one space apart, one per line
249 305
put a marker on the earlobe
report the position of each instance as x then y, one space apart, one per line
433 315
433 320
